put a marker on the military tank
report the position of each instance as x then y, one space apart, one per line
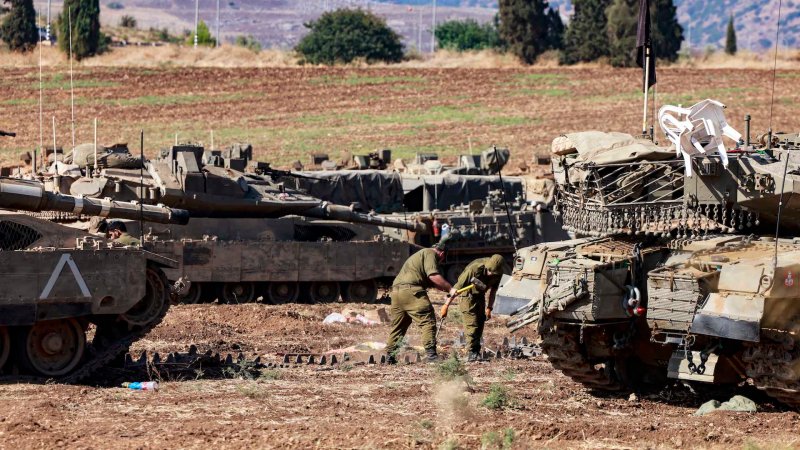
681 274
283 243
72 302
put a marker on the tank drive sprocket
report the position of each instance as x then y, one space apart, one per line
774 366
565 352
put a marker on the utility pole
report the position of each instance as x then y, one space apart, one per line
218 36
433 30
419 32
196 20
47 30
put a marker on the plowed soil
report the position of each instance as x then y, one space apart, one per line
292 112
357 406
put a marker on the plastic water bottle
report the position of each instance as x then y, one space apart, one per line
142 385
445 230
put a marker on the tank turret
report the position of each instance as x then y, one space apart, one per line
207 184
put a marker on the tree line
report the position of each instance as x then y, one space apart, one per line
525 28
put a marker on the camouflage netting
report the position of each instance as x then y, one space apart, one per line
373 190
608 148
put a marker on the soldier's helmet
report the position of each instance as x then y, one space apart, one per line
495 264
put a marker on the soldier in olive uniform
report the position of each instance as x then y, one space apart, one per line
474 309
118 233
410 302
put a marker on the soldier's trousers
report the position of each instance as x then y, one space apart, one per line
473 313
411 306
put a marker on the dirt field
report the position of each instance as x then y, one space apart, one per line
359 406
288 113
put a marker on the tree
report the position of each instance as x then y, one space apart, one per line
622 24
555 30
344 35
127 21
667 34
466 35
586 38
19 29
86 37
730 39
203 35
526 27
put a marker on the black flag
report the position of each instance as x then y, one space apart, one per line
644 45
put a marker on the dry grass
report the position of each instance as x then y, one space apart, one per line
236 57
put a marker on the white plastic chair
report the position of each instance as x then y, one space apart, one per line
687 128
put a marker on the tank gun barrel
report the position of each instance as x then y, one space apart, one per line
31 196
345 214
7 133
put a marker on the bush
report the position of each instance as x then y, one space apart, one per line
344 35
466 35
248 42
115 5
452 368
497 398
19 26
127 21
203 36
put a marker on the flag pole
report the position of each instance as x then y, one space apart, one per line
646 51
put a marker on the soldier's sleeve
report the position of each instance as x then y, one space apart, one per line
429 264
466 275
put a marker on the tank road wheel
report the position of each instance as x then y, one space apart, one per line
279 292
151 305
5 346
364 291
323 291
54 347
193 295
242 292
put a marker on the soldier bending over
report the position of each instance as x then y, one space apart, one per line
410 302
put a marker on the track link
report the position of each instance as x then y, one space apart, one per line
774 366
565 353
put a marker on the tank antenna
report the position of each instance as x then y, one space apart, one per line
41 120
141 187
95 147
505 199
55 153
769 143
71 85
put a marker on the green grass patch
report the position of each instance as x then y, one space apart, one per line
166 100
497 398
550 92
20 101
363 80
492 440
509 121
452 368
61 81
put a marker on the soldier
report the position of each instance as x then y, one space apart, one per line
118 232
474 309
410 302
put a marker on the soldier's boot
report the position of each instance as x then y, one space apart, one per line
431 355
474 357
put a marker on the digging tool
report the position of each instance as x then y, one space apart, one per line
476 283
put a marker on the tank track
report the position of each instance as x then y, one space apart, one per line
112 340
565 353
772 365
